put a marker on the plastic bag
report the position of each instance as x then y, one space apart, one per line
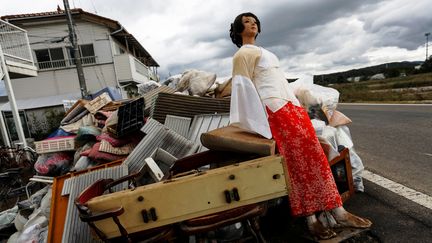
53 163
196 82
7 217
172 81
313 94
147 86
35 199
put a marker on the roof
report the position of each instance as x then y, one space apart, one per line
46 101
118 31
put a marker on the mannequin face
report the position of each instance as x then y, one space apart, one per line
251 28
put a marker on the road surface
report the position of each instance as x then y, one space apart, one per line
394 141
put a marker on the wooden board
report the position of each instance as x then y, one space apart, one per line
194 195
345 184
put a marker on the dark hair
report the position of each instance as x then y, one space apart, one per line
237 27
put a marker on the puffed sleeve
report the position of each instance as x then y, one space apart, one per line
246 108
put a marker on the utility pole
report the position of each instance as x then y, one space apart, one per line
427 44
77 54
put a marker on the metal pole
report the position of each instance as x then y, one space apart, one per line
12 102
4 131
427 44
73 39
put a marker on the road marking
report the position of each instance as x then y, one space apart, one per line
399 189
428 154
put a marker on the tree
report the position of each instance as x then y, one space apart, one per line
426 66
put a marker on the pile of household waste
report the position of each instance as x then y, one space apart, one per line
146 135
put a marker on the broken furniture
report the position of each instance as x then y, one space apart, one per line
232 138
248 215
97 189
176 199
341 170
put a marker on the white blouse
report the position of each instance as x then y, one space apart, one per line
257 82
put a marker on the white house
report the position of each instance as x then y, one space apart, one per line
111 57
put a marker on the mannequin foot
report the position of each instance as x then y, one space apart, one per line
320 232
350 220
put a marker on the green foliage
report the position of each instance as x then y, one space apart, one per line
42 127
392 69
426 66
392 73
388 90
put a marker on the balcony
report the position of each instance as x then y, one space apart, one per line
66 63
16 50
129 68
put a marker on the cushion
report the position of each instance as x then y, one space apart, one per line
339 119
232 138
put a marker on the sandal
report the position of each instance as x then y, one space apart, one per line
320 232
353 221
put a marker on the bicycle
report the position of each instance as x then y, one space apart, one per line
25 156
12 188
7 158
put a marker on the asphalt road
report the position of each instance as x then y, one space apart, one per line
394 141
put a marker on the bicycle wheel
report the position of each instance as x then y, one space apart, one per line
26 158
8 198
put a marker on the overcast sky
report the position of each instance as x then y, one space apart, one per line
309 36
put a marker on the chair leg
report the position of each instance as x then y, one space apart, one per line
254 228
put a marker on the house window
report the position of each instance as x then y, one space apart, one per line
86 52
50 58
10 125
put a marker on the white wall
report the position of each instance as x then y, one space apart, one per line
88 33
63 81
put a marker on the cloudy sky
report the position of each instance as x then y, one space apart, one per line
309 36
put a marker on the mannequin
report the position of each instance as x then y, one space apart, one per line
263 103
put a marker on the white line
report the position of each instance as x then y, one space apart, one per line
399 189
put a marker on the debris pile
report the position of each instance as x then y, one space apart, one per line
140 141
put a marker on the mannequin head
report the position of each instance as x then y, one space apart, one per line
243 27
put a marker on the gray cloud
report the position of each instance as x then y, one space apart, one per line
309 36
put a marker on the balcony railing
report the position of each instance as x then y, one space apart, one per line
64 63
15 44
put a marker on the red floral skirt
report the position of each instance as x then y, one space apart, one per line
312 183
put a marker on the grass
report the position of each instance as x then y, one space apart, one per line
411 89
